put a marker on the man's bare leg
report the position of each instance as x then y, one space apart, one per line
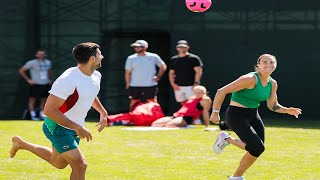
48 154
42 103
77 162
31 102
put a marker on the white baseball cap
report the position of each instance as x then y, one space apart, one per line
182 43
140 43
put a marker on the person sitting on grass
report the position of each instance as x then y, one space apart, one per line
196 105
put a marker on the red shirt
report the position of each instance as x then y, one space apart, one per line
189 109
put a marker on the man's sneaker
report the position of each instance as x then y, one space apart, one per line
236 178
35 118
42 116
221 142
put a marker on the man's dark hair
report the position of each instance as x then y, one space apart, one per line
83 51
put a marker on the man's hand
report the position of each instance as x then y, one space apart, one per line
215 118
103 122
156 78
83 132
31 82
196 84
294 111
175 87
127 86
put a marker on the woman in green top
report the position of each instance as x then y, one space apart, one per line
242 115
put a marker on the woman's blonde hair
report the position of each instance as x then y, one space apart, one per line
259 59
202 88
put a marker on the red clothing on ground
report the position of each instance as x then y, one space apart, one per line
189 108
142 114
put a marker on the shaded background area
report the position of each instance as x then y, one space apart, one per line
229 38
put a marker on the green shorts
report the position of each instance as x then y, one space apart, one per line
62 139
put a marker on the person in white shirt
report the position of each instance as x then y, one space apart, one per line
71 97
141 75
40 78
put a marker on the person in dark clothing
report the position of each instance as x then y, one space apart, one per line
185 72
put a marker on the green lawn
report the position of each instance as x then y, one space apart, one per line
291 153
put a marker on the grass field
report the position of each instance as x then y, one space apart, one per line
292 152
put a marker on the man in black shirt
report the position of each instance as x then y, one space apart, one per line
185 72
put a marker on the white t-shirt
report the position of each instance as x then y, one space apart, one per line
39 70
78 90
143 68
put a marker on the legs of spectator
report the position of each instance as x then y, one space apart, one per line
42 103
177 122
162 122
32 101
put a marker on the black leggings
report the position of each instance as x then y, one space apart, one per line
248 125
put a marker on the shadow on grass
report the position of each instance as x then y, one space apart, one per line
293 123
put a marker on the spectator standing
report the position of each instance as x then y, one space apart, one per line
141 75
39 81
185 72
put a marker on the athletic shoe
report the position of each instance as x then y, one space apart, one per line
236 178
35 119
42 116
221 142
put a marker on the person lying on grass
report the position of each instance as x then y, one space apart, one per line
196 105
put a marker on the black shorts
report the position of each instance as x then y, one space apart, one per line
143 93
248 125
188 119
39 91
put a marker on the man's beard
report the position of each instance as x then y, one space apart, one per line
97 66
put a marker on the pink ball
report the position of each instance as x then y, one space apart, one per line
198 5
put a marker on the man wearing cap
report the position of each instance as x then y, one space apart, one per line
141 75
185 72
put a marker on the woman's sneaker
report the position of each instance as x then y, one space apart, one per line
221 142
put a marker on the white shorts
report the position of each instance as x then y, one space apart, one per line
184 93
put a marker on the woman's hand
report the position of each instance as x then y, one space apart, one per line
294 111
215 117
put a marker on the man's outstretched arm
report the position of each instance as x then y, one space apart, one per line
103 113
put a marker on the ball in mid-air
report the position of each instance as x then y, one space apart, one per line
198 5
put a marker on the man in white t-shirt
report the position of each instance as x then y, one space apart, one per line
40 78
71 97
141 75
